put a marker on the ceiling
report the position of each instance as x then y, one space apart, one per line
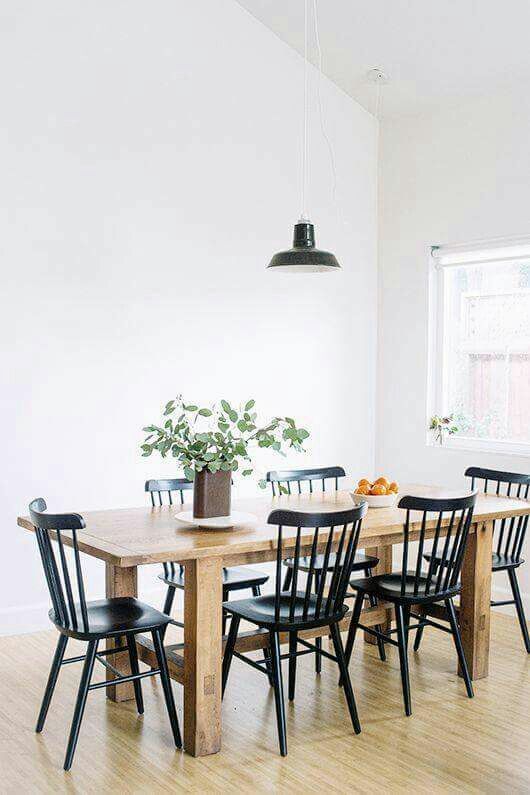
435 52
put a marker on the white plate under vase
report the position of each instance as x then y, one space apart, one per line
236 519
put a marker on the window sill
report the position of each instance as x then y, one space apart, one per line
488 446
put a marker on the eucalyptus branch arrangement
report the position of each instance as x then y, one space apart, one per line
219 438
441 426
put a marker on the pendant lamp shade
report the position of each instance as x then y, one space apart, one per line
303 257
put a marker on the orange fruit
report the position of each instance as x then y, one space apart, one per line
364 489
378 489
393 487
382 482
364 482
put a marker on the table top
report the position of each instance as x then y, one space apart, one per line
137 536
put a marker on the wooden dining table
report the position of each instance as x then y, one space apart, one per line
127 538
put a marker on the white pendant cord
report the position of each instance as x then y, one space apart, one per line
377 113
305 120
321 110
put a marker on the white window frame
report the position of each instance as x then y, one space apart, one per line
439 258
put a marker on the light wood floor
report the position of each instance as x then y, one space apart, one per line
450 744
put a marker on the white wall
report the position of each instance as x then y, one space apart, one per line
455 176
150 168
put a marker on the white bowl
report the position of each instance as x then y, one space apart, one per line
375 500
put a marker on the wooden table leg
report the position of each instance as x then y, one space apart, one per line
202 656
475 599
120 582
384 567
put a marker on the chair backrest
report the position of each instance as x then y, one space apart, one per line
451 520
161 486
344 528
64 589
509 541
281 481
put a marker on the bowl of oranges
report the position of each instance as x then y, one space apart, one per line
380 493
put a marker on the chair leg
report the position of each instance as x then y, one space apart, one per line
292 665
318 641
170 597
353 629
345 676
225 614
80 703
519 607
419 631
402 622
166 685
52 680
229 649
455 629
278 691
288 579
256 591
318 656
372 599
419 635
168 605
133 659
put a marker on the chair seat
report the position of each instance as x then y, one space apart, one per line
498 562
235 578
360 563
260 610
108 617
388 586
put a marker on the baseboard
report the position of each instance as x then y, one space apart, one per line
34 618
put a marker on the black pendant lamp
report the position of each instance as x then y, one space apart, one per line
304 257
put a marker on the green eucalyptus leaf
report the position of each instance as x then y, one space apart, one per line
226 448
189 473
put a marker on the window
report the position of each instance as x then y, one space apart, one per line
480 354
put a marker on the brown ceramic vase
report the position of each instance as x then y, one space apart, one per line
211 494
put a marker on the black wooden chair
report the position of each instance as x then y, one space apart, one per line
411 586
117 618
297 609
281 484
235 578
508 538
